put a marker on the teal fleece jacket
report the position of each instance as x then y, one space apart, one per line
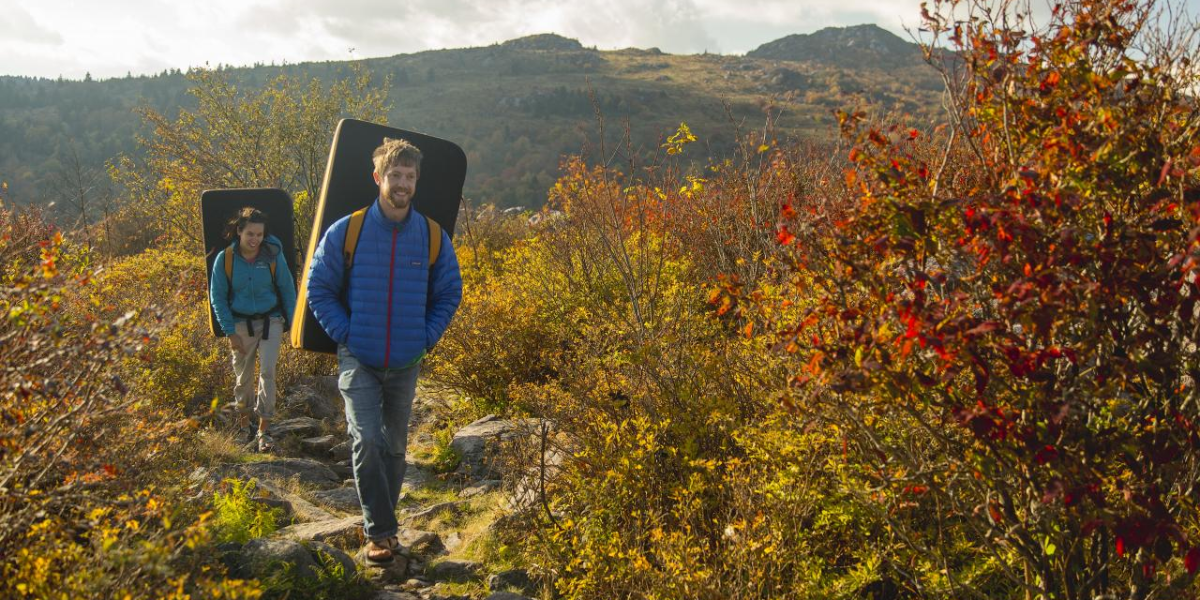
253 291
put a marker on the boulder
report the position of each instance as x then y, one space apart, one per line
335 554
343 533
299 426
263 557
512 578
318 446
435 511
316 402
420 542
306 471
341 451
344 499
479 489
395 572
388 594
479 441
507 596
458 571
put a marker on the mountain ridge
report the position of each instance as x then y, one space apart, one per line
516 107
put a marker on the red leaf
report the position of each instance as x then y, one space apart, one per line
1120 546
1192 560
783 236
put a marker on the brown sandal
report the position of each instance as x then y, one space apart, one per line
379 552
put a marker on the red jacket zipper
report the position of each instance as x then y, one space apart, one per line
387 352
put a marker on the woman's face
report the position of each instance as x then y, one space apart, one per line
250 237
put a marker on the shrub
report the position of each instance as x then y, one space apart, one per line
90 498
237 517
191 366
1006 338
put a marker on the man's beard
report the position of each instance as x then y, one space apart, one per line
398 201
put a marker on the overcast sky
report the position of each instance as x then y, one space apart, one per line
109 38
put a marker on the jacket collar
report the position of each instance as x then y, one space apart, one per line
376 216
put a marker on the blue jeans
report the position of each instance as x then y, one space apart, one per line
378 405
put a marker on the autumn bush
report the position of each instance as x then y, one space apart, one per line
1007 342
682 474
91 503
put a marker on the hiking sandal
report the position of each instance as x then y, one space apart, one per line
265 443
378 552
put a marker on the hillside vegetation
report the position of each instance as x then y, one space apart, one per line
517 108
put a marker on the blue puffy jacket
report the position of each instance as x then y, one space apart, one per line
253 291
396 307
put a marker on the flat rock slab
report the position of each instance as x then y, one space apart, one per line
307 471
512 578
507 596
481 488
386 594
299 426
344 499
302 509
263 556
318 445
341 451
420 542
437 510
395 572
343 533
454 570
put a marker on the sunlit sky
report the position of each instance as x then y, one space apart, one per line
109 38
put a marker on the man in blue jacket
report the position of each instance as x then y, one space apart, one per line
385 314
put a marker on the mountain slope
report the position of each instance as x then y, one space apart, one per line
516 108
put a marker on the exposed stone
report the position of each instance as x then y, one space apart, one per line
394 572
302 509
483 487
318 446
317 403
282 505
454 570
421 542
263 557
512 578
307 471
299 426
452 541
347 563
344 499
341 451
437 510
388 594
483 439
343 533
507 596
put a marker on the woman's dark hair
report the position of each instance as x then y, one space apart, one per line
243 217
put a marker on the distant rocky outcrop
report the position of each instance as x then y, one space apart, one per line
857 47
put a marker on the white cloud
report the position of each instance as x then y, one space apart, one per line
110 37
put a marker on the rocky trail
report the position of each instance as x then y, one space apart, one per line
446 518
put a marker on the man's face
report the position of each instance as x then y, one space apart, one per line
397 184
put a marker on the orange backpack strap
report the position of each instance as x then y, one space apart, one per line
435 241
352 234
229 263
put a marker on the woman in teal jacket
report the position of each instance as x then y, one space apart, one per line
253 307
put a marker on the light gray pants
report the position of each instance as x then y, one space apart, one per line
262 403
